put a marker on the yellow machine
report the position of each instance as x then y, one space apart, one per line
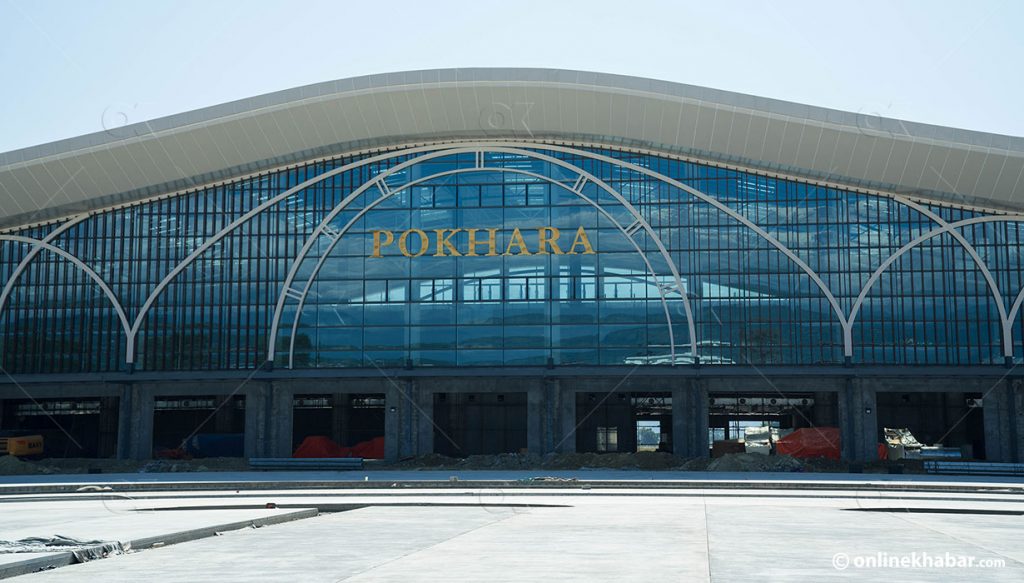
20 444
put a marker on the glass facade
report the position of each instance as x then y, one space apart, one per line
511 255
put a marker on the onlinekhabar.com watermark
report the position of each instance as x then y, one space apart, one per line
913 560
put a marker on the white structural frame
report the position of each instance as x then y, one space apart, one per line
132 327
1006 320
40 244
335 235
582 178
32 252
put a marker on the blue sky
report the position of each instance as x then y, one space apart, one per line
72 68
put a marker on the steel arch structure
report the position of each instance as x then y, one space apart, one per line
582 178
534 149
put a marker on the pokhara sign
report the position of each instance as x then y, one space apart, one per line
481 242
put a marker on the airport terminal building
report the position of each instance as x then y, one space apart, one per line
477 261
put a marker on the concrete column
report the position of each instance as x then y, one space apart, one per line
258 405
535 419
400 431
858 421
135 423
690 419
543 400
1003 410
425 421
565 437
280 420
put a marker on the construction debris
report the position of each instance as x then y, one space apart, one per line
754 462
901 443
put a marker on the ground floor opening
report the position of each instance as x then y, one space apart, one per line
479 423
678 411
348 421
618 422
70 428
199 426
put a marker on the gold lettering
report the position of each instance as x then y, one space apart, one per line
389 238
543 242
582 240
516 240
424 243
447 246
445 242
492 243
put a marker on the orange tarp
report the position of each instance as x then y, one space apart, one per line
810 442
316 446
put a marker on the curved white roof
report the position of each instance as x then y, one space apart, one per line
240 137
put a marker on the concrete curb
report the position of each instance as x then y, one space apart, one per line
63 559
539 483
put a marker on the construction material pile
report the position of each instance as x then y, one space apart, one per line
754 462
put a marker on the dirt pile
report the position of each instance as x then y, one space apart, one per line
13 466
551 461
645 460
753 462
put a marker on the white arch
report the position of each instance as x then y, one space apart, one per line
13 279
181 265
1013 312
115 303
949 227
845 322
379 182
981 265
336 236
178 268
724 208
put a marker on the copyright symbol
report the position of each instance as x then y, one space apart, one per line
840 561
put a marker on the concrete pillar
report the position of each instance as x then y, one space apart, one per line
424 420
280 420
565 420
400 421
258 420
690 419
535 419
858 420
542 416
1003 410
135 423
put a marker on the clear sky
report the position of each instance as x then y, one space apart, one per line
71 68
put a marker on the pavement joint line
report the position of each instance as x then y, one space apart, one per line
63 559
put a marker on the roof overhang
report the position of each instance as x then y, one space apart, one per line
241 137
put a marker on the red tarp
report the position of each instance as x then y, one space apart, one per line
316 446
810 442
